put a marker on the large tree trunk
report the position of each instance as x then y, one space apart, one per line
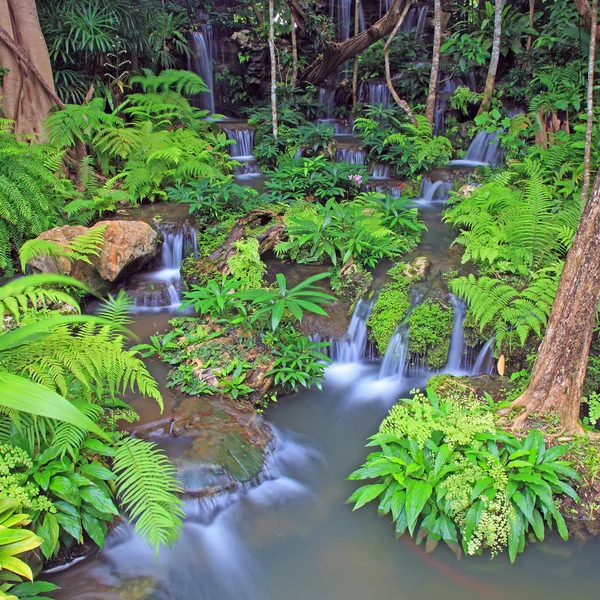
435 62
273 65
337 53
590 104
558 374
403 104
355 70
585 12
27 94
488 92
294 52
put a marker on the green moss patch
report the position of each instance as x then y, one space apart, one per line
430 331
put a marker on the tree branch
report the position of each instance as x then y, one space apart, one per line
337 53
26 62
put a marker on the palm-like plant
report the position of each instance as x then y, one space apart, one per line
276 303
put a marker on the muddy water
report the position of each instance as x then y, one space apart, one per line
292 537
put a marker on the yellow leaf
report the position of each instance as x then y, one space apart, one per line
501 365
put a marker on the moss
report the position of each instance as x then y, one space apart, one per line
430 332
351 283
390 308
473 336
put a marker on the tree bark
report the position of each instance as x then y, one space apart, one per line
488 92
336 53
355 70
559 371
294 52
590 104
28 87
403 104
273 65
585 12
435 62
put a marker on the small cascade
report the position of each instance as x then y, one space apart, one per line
350 155
375 93
434 191
445 89
381 172
201 62
354 346
455 353
162 288
483 150
485 362
344 8
327 102
242 151
394 362
421 21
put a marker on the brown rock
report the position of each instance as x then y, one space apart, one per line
125 242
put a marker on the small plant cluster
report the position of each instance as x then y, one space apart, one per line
430 327
445 472
244 334
409 149
391 307
369 228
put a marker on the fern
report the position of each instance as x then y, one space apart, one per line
147 485
509 311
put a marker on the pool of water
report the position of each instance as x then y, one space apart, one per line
293 537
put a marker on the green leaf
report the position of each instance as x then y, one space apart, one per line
93 528
72 525
98 499
32 589
516 530
417 495
366 493
97 471
49 531
537 522
65 489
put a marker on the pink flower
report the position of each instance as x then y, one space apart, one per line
356 178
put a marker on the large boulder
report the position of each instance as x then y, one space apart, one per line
125 243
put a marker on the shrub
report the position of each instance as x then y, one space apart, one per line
445 472
246 265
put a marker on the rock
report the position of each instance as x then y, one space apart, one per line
215 443
125 243
418 268
466 191
333 326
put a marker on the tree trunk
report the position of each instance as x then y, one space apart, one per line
273 65
403 104
435 62
336 53
585 12
294 53
355 71
491 76
558 374
590 103
27 93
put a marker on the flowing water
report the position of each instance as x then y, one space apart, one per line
289 535
242 151
201 62
352 156
483 150
375 93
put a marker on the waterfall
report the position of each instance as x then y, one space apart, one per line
200 61
161 288
244 141
483 150
242 151
326 102
375 93
485 362
350 155
455 352
381 172
344 9
434 191
394 360
421 21
445 89
353 347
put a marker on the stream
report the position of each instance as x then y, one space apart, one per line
289 535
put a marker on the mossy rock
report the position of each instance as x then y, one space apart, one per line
429 333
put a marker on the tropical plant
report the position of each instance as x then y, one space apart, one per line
50 368
445 472
275 304
246 265
217 299
299 361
